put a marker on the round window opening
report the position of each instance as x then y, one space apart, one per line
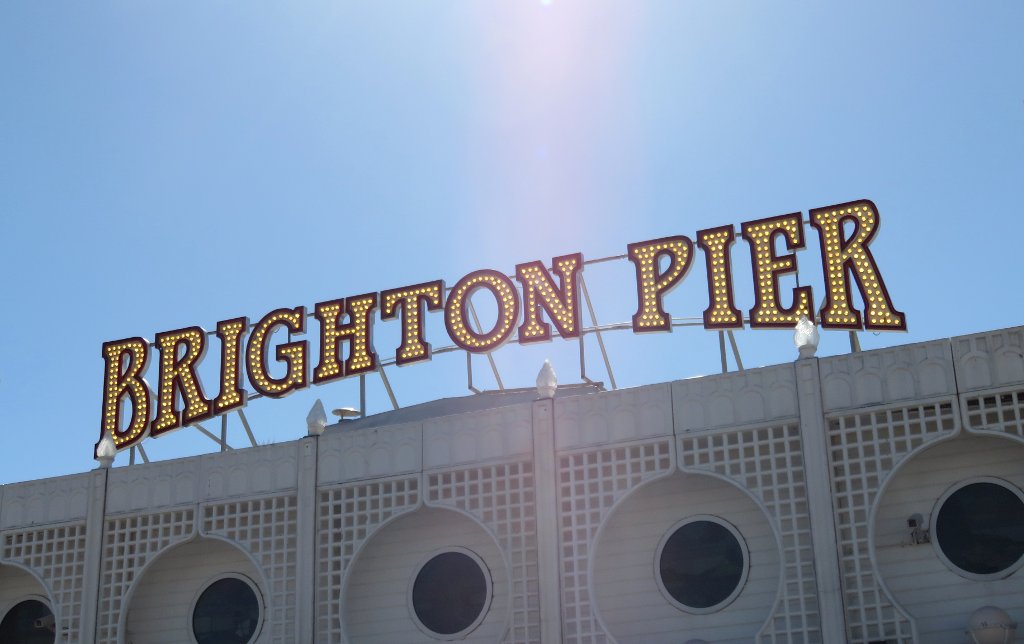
451 593
227 612
28 622
702 564
979 529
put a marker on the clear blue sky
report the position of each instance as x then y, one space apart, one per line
167 164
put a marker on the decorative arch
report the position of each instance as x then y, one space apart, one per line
347 514
195 538
391 553
743 498
865 447
46 594
590 482
148 534
913 487
766 462
32 548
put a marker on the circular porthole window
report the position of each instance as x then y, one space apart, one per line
701 564
979 528
450 594
227 611
29 621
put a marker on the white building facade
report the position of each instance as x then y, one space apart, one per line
826 500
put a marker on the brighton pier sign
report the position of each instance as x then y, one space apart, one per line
660 265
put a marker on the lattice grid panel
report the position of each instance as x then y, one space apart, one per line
864 449
128 544
346 515
589 485
1002 413
769 462
266 527
502 497
57 554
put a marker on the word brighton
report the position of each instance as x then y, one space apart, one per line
660 265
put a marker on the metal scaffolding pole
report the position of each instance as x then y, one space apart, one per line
597 332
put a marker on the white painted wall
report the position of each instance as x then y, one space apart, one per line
940 600
377 610
628 598
159 606
16 585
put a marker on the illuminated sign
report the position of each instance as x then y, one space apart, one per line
545 302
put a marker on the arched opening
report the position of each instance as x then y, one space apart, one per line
26 614
200 592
